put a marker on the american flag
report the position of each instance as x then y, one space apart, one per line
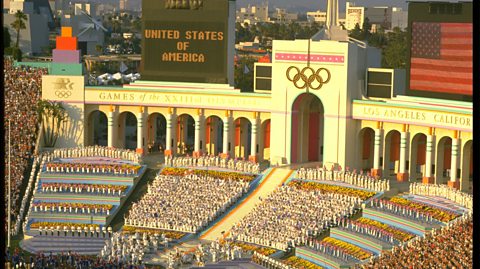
442 57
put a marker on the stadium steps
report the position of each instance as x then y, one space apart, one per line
276 178
363 241
404 223
47 244
77 198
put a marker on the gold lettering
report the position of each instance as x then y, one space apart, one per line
220 35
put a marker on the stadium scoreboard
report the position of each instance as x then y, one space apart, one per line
185 41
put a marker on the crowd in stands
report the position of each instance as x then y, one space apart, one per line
292 214
22 92
442 190
184 203
353 178
92 168
64 260
448 247
93 151
213 161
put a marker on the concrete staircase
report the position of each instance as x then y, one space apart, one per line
59 244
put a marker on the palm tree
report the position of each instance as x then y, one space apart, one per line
51 116
19 24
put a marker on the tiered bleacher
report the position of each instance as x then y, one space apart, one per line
215 162
297 212
187 200
384 226
80 190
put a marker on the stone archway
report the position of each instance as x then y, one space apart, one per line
157 131
185 134
391 162
127 130
243 136
213 135
265 140
466 175
418 154
443 160
97 128
307 129
366 139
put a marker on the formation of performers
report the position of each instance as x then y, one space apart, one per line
353 178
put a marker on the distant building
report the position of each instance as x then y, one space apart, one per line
122 5
33 39
82 17
399 18
281 15
353 16
317 16
253 14
104 8
85 7
378 17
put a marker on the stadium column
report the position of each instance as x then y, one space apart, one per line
111 128
226 134
454 182
169 136
377 170
402 174
253 146
140 146
429 178
198 134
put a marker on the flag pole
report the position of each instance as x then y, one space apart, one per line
9 186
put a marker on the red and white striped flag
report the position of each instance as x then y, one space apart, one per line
441 58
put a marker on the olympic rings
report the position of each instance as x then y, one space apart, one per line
63 94
308 76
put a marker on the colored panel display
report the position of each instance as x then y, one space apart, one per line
66 43
186 43
67 31
67 69
66 56
441 57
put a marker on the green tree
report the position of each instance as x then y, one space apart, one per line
244 76
395 52
356 32
19 24
51 115
6 37
366 28
99 48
